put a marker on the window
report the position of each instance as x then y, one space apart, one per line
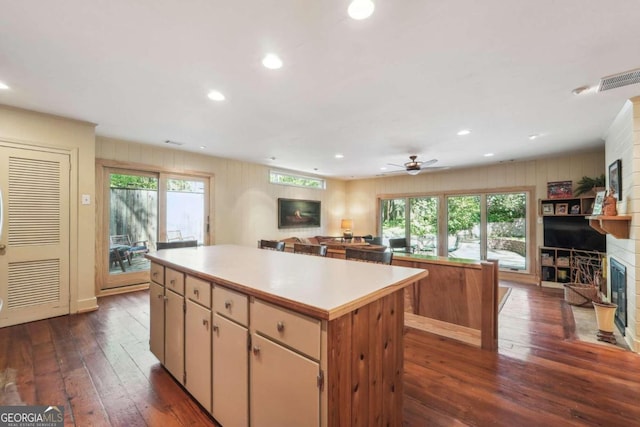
474 226
283 178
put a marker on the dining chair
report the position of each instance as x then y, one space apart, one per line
379 257
400 245
303 248
273 245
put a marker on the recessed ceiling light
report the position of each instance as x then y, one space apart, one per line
464 132
383 168
488 154
216 96
339 156
534 136
3 86
361 9
202 147
272 62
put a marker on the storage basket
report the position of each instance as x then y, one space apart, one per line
580 295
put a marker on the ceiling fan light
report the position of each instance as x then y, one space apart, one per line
413 171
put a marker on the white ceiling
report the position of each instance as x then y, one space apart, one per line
401 82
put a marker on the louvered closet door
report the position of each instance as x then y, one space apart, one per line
34 264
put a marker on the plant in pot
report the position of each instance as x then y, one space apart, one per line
587 292
590 186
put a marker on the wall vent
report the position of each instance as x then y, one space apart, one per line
619 80
170 142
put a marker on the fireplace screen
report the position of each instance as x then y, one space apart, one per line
619 293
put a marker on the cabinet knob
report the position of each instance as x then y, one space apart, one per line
160 296
166 298
256 350
172 281
227 304
280 326
196 292
216 328
205 323
154 274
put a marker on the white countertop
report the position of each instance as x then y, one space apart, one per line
323 287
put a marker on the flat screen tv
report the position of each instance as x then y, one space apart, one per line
572 232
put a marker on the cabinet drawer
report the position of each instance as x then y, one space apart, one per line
198 291
174 280
157 273
293 329
231 304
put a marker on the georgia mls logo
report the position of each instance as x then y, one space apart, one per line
31 416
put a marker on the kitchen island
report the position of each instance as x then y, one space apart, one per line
267 338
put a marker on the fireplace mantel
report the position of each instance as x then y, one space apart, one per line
617 226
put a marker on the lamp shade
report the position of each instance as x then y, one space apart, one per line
346 224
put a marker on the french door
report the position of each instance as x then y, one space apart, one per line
34 234
142 208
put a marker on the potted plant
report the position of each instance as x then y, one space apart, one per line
590 186
605 316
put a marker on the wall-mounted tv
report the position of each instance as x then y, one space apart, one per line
572 232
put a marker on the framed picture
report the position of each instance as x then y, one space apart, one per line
547 209
562 208
575 209
293 213
615 179
559 189
597 204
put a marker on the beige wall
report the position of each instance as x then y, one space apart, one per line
245 203
623 142
78 139
534 173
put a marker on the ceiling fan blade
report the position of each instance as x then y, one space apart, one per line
428 162
398 166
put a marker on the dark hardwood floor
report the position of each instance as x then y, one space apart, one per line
98 365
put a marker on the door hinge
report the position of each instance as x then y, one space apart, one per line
320 379
184 378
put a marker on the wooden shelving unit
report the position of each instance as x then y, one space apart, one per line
561 265
617 226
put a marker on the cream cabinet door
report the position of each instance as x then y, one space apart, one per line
156 321
198 353
284 388
230 373
174 335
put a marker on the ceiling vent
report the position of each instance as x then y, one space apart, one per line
168 141
619 80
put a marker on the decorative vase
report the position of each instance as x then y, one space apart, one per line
605 315
609 206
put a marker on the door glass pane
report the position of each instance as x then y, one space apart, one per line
424 225
506 229
185 210
463 227
393 219
133 219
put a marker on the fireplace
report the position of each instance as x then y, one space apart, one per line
619 292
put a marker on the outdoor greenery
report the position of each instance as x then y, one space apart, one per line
463 212
133 182
296 180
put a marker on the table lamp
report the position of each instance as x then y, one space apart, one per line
346 225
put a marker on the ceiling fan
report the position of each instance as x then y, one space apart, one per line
413 167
